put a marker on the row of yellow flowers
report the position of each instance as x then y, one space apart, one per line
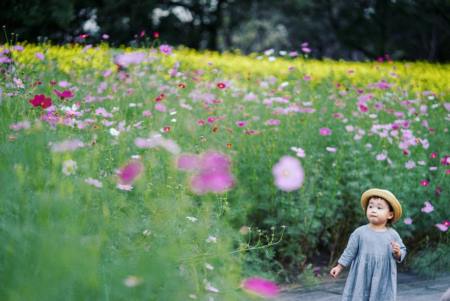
419 76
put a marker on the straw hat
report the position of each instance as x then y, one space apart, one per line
385 194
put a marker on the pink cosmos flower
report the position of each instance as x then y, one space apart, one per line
362 108
410 164
217 181
130 172
424 183
288 173
442 227
40 56
427 208
160 107
166 49
64 94
261 287
211 172
274 122
445 160
241 123
325 131
408 221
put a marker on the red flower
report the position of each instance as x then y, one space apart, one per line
41 101
433 155
64 94
221 85
156 34
181 85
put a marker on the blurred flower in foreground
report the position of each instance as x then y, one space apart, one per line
130 172
261 287
212 172
288 173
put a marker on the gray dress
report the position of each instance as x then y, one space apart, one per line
373 271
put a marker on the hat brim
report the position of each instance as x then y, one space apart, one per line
385 194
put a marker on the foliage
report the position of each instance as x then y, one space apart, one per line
60 232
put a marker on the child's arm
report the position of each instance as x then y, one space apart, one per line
347 257
350 251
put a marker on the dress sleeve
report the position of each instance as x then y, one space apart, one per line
402 247
350 251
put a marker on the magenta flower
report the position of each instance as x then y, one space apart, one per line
217 181
325 131
130 172
41 101
64 94
241 123
288 173
427 208
363 108
445 160
424 183
211 172
261 287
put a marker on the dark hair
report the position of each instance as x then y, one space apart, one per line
389 221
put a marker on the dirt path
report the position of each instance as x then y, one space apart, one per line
410 288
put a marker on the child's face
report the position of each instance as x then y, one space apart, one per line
378 212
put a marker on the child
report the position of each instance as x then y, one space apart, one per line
373 251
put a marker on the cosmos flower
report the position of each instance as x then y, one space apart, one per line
41 101
165 49
67 145
325 131
66 94
130 172
261 287
288 173
408 221
428 208
69 167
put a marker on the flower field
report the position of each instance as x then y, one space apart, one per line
162 174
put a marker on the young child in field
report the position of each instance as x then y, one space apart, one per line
373 251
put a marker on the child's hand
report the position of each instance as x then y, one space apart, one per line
336 271
396 250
